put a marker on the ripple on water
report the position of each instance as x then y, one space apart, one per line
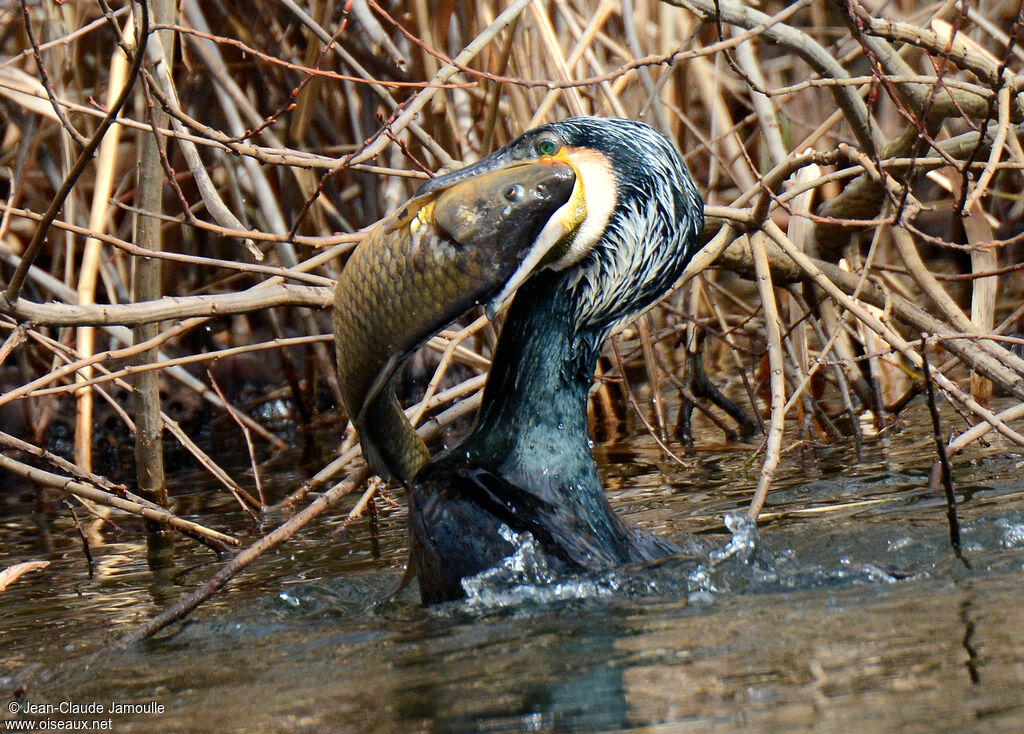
844 608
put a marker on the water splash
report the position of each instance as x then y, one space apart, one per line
743 561
524 576
526 565
747 564
700 574
745 541
1012 533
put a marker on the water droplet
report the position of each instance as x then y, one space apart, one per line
1013 534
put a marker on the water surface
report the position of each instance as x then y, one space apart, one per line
846 609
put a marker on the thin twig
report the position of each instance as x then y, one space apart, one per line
777 385
940 449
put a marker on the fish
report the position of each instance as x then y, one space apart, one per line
422 267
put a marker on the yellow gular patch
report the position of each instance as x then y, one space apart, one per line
586 214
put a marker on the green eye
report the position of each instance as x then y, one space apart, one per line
547 147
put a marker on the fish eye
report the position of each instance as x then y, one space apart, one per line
547 146
514 193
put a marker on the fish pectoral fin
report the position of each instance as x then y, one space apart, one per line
408 214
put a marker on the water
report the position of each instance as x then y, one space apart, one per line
845 609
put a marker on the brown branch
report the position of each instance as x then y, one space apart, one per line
79 489
169 307
45 79
309 71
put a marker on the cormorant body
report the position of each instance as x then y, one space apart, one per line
528 464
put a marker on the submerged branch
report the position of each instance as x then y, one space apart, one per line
216 540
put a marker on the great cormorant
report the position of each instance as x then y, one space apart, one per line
528 464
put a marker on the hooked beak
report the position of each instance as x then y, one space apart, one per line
485 165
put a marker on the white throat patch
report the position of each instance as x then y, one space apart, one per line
600 191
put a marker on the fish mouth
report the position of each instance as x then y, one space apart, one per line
571 231
551 243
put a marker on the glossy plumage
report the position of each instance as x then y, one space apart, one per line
528 464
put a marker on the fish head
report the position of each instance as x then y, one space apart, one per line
504 209
518 211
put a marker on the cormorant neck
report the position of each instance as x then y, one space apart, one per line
533 420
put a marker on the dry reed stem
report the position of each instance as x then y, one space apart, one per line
88 275
10 296
983 290
776 369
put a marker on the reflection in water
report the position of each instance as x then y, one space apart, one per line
973 661
499 690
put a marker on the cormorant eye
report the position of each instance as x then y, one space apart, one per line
514 193
547 146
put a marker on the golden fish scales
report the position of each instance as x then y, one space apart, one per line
422 267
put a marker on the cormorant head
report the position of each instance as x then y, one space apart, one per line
631 225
